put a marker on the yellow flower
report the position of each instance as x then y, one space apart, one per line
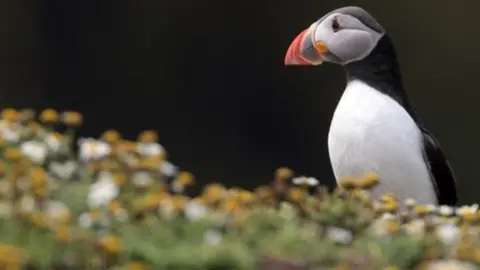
198 200
246 196
111 136
179 202
431 253
10 114
13 154
362 195
342 266
38 177
11 256
73 119
127 146
476 255
57 136
465 253
137 266
421 210
108 165
388 197
63 235
296 194
185 178
110 244
39 220
283 173
348 183
151 201
213 193
115 206
263 192
393 226
230 205
471 217
148 136
66 217
34 126
120 178
148 163
49 116
369 181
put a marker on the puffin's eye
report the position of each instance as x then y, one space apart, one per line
335 25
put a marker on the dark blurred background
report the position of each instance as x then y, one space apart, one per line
208 75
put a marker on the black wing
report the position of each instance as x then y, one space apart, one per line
442 174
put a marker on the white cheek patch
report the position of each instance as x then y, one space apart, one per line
354 42
352 45
323 31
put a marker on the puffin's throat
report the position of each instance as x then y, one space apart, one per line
380 70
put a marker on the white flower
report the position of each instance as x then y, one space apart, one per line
34 150
378 227
431 208
302 180
6 209
466 210
142 179
446 210
410 202
93 149
9 131
388 216
450 264
195 211
27 204
57 210
448 233
23 183
149 149
53 143
212 237
169 169
177 187
104 176
340 235
416 226
63 170
102 192
85 220
89 219
129 159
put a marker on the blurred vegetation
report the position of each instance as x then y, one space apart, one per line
111 203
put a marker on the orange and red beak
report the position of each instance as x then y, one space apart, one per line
303 51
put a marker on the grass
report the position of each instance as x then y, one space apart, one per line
119 204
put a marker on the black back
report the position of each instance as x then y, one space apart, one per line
381 71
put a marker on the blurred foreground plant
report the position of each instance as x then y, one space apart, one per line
120 204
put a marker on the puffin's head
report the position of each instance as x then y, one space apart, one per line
342 36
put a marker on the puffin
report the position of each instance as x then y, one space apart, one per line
374 128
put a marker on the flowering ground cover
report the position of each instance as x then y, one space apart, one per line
112 203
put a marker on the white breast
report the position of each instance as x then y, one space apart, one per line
371 132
